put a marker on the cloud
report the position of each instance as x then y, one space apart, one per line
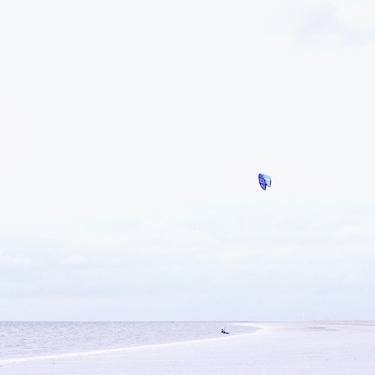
73 260
13 262
330 24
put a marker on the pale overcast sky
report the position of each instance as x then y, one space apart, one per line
132 133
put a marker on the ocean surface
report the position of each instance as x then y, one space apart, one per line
21 340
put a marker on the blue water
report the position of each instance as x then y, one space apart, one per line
31 339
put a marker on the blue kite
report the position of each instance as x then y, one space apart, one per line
264 181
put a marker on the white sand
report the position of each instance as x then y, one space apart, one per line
275 349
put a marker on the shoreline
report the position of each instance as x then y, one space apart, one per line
282 348
57 356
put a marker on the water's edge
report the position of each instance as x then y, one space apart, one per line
30 341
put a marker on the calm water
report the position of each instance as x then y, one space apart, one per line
30 339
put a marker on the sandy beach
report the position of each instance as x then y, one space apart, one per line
342 348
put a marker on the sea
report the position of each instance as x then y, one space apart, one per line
22 341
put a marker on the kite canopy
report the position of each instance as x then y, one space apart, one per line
264 181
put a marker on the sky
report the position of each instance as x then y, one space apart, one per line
132 134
